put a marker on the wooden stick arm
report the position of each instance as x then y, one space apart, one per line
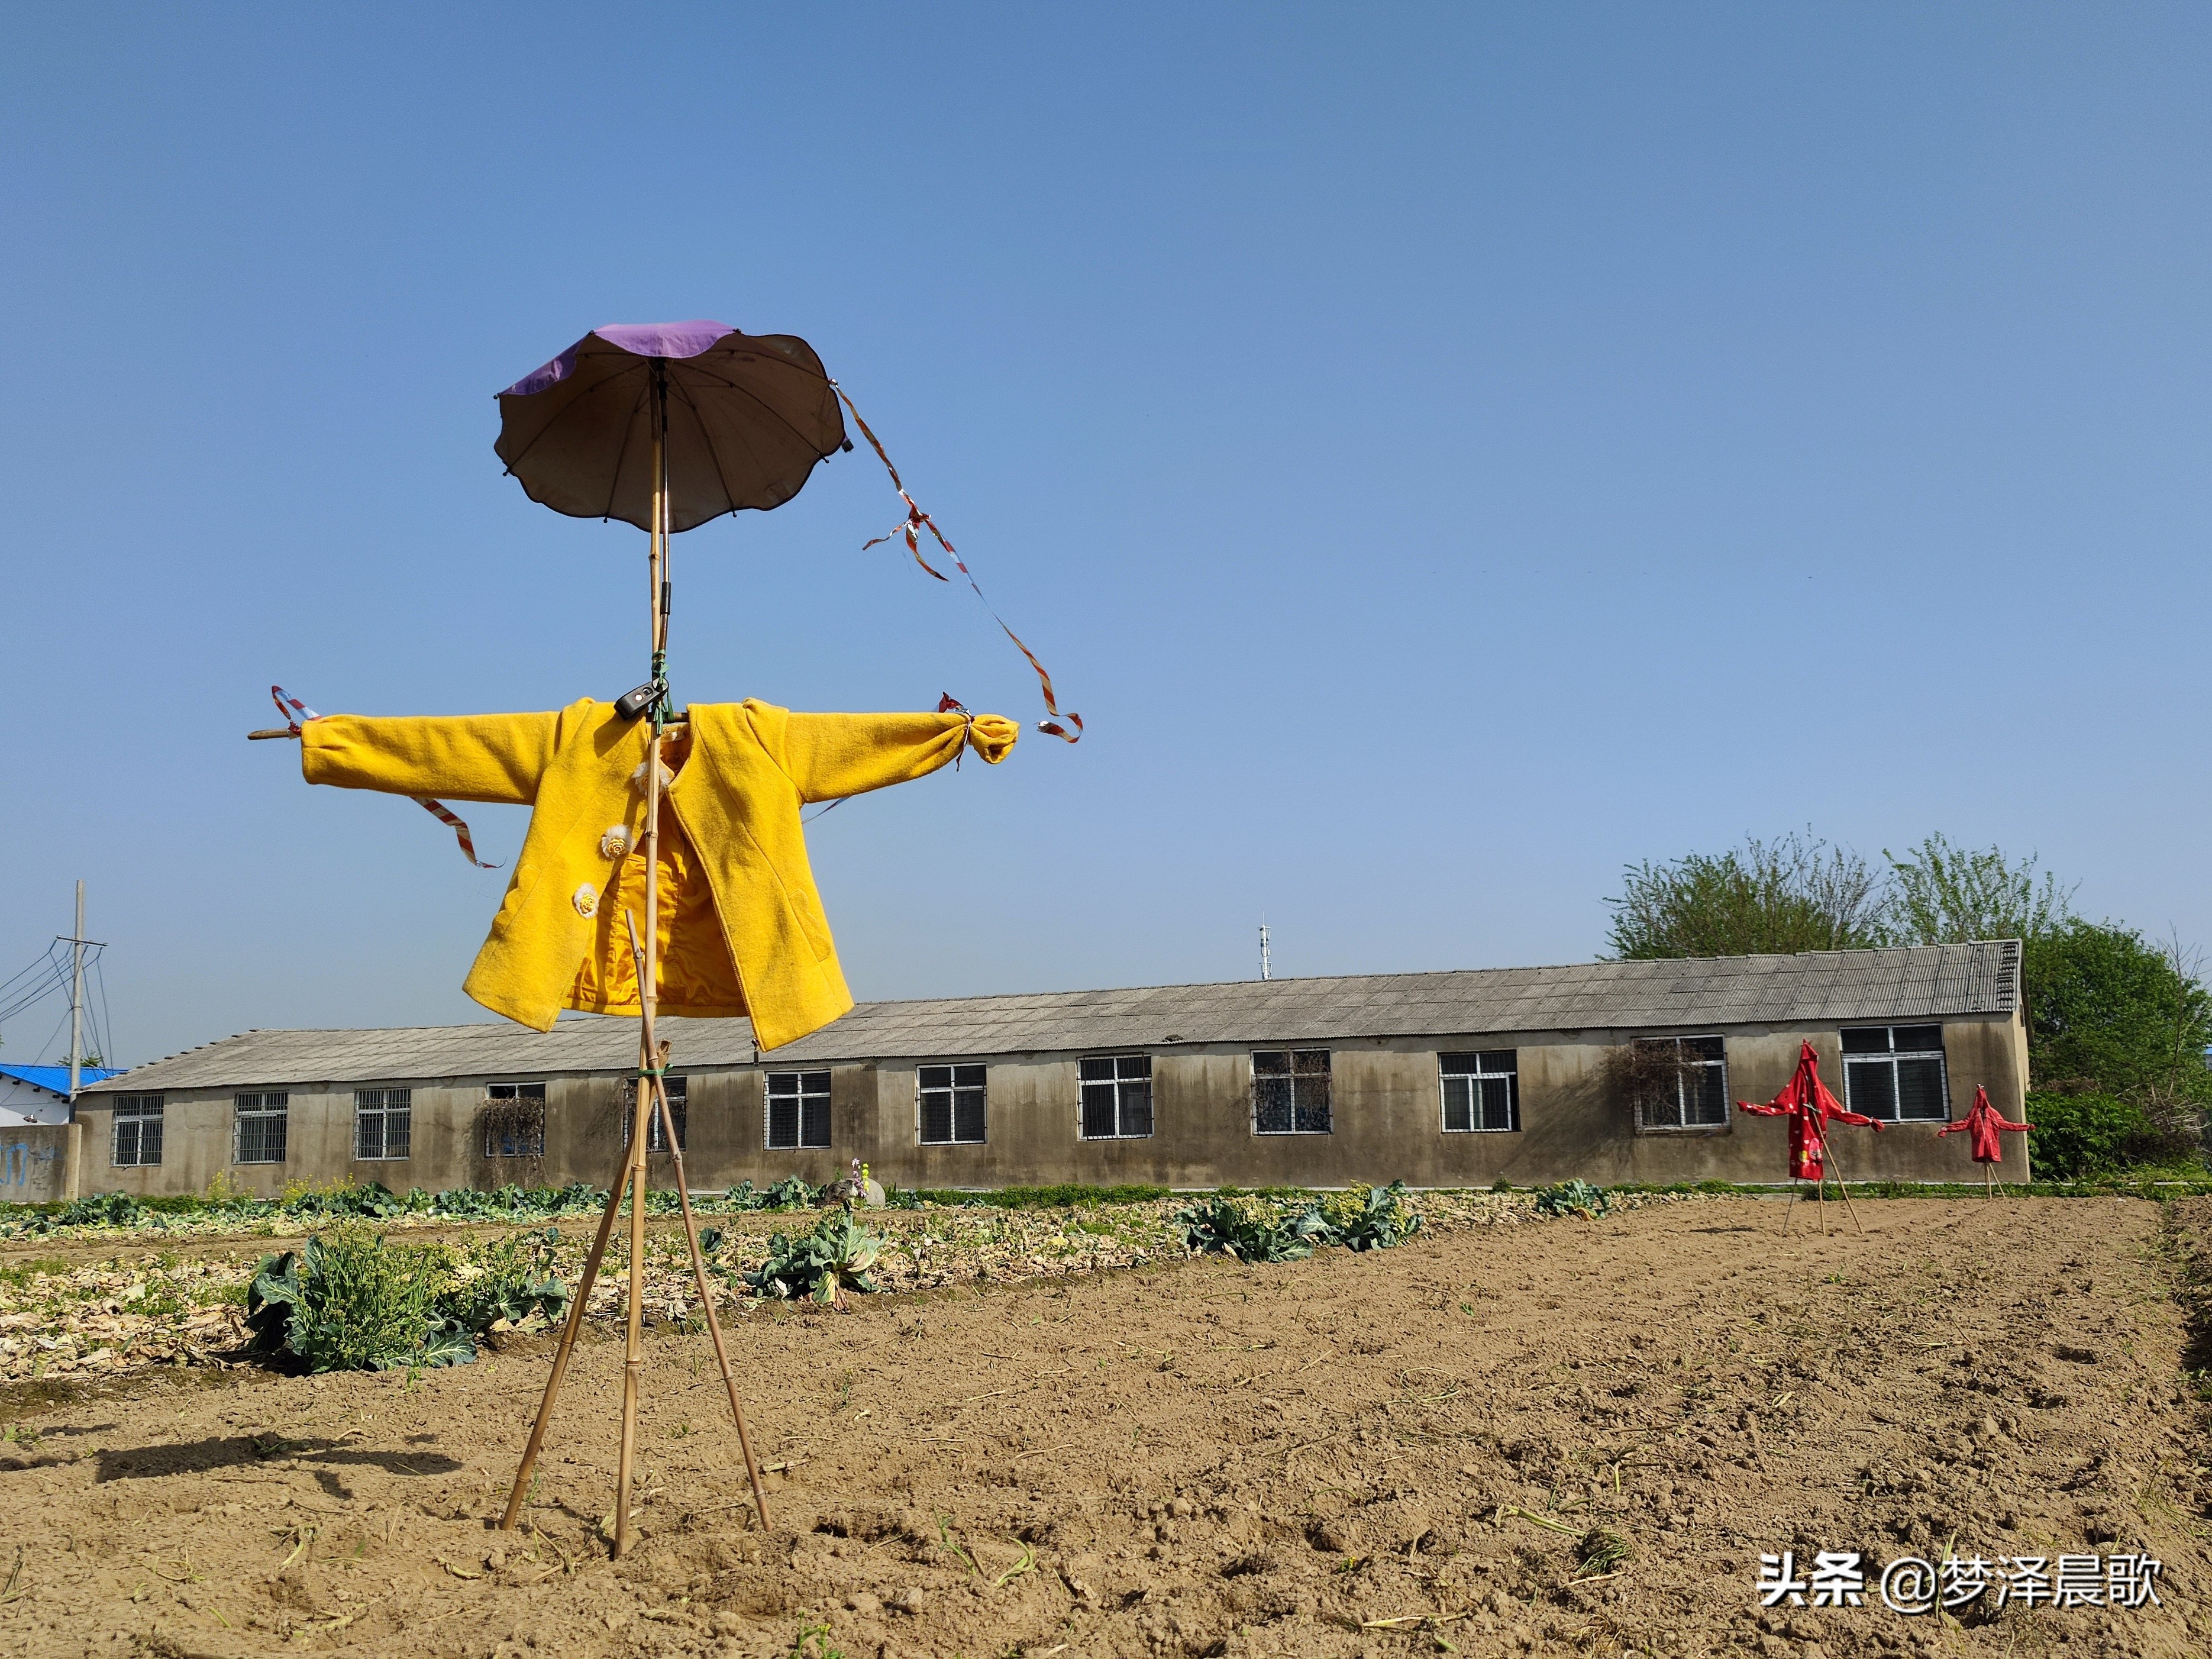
673 729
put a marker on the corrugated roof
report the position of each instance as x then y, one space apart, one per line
1917 982
1905 983
54 1079
300 1058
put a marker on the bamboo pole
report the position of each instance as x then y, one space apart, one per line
652 1094
707 1301
648 977
667 1117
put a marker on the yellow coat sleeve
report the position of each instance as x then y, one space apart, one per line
829 757
489 757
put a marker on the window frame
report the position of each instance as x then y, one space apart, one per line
514 1092
137 1111
1888 1059
1117 1087
1484 1073
269 1105
381 1105
953 1087
803 1096
679 1108
1717 1063
1326 1073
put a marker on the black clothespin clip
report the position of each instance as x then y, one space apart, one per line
631 704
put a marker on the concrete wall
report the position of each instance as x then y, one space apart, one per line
1387 1113
38 1162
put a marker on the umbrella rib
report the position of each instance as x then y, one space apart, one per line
614 481
712 449
589 391
771 408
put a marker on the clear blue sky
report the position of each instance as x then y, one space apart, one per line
1445 453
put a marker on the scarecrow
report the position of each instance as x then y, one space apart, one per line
740 928
1982 1126
664 867
1810 1108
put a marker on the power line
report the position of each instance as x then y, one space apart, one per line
15 998
106 1031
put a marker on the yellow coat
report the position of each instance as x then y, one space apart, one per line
742 929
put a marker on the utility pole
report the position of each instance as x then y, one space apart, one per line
1266 967
76 996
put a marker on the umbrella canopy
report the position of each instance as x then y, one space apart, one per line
749 416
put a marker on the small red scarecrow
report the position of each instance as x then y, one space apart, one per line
1805 1102
1984 1124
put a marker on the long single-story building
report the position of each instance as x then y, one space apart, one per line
1609 1071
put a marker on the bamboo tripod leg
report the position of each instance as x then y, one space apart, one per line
569 1330
1829 1147
633 1349
1790 1208
707 1297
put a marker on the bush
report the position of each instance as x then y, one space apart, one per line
509 1284
1574 1197
821 1265
788 1194
1251 1229
344 1199
1370 1217
103 1210
349 1301
2089 1136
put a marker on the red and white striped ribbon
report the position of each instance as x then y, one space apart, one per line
916 522
293 712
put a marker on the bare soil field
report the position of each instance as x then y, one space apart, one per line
1418 1450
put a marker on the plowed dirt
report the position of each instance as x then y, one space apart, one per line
1401 1452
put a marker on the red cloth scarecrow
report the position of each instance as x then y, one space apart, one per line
1982 1124
1805 1102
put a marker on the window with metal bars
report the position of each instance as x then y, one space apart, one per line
137 1130
1693 1093
1117 1097
952 1104
259 1126
383 1124
515 1120
656 1137
1482 1091
1895 1074
1289 1092
797 1110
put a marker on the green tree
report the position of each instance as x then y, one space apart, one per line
1795 893
1939 894
2110 1012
